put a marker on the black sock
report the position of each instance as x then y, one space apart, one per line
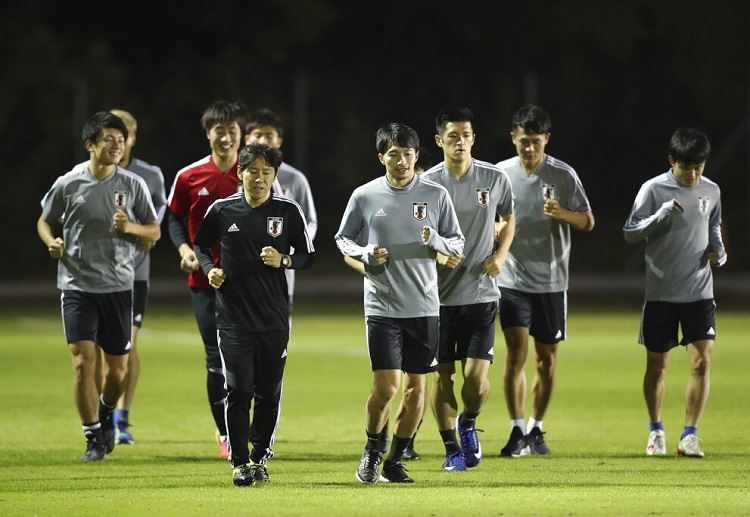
398 447
468 419
450 442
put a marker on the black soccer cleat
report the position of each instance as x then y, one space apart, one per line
394 472
516 445
535 439
367 472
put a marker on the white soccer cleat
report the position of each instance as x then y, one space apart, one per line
690 447
657 444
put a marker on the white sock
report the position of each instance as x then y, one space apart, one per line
532 424
517 423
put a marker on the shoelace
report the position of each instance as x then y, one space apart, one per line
469 438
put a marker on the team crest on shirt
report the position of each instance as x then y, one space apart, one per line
704 204
419 211
121 198
548 191
483 197
275 226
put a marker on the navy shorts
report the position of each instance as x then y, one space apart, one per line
467 331
104 318
407 344
140 298
660 321
544 314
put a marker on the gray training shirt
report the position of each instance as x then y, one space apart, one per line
483 193
678 238
540 252
97 258
390 217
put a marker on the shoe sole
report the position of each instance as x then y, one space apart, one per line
686 455
363 481
524 452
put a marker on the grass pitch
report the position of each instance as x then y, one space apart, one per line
596 428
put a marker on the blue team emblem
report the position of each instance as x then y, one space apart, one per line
419 211
483 197
275 226
548 191
704 204
121 198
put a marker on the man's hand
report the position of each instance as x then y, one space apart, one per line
56 248
120 220
189 262
270 257
216 277
449 262
426 234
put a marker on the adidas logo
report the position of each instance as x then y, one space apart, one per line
558 335
434 362
283 354
138 318
233 228
711 332
128 346
79 200
492 351
380 213
203 192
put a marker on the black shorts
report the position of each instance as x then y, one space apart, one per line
544 314
408 344
253 358
104 318
660 320
467 331
204 306
140 298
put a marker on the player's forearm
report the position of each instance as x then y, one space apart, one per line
205 258
505 235
44 229
302 260
150 231
583 221
177 228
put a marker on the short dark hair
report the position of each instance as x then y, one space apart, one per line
689 146
424 161
92 128
224 111
532 119
252 152
395 133
447 115
264 117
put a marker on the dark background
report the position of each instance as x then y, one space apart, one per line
617 78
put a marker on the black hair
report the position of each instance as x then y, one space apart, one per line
92 128
264 117
532 119
395 133
447 115
224 111
252 152
689 146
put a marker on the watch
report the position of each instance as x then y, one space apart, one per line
285 261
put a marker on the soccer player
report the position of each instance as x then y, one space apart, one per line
261 234
549 200
404 221
264 126
105 212
678 214
467 284
194 189
154 179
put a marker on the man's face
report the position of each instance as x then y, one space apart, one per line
456 141
108 148
264 135
225 139
399 164
257 180
530 147
687 174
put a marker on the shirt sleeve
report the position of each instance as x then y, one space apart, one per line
645 218
206 237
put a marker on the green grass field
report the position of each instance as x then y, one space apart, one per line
596 428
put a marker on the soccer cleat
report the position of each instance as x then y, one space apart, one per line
259 472
657 445
394 472
223 446
95 450
690 447
243 475
367 472
454 462
108 427
535 439
516 445
411 454
122 432
470 445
